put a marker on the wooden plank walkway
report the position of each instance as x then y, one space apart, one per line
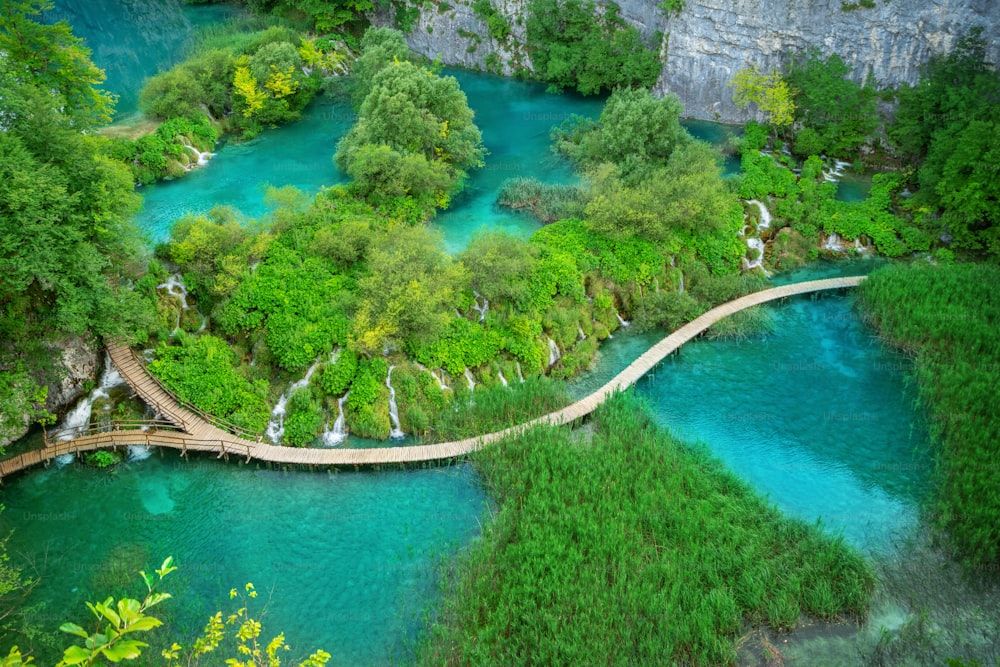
202 432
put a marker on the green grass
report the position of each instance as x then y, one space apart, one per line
947 318
617 545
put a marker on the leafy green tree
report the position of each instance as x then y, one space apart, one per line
838 114
770 93
500 266
407 296
380 48
949 123
55 61
575 45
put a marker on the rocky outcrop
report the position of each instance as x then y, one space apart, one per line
710 40
74 368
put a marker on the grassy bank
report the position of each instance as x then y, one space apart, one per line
946 317
617 545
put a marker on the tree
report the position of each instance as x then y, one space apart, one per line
54 61
408 295
769 92
838 114
500 266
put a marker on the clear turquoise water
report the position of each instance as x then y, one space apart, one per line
346 560
514 116
853 187
299 154
132 41
819 416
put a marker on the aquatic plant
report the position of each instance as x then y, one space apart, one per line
616 544
945 316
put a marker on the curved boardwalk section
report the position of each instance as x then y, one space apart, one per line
202 432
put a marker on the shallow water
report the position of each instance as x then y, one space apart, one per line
344 560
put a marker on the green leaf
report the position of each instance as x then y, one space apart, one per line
75 655
127 649
144 624
73 629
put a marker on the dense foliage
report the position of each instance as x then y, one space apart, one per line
574 45
67 243
946 317
243 80
949 124
837 114
619 545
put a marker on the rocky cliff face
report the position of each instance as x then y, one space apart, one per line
710 40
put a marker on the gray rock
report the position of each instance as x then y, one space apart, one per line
711 40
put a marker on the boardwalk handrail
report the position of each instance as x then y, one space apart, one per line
103 426
218 422
205 435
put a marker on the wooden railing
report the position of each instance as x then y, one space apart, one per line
104 426
217 422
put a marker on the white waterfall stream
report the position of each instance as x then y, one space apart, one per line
395 432
276 425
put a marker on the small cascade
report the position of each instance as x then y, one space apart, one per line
680 288
832 243
470 379
439 380
579 332
520 376
483 308
656 284
396 432
754 242
835 173
622 322
338 433
276 425
78 418
502 379
554 353
198 157
175 287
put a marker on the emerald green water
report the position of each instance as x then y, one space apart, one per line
345 561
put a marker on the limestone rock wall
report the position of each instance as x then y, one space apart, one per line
710 40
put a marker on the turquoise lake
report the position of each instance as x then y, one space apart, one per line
818 416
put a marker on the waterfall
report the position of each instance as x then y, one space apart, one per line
175 287
765 215
439 380
481 309
520 376
834 174
78 418
502 379
680 288
469 379
276 425
656 284
200 158
579 331
396 432
339 432
622 322
554 353
832 243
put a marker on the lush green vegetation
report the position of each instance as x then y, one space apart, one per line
349 271
573 45
949 125
68 247
414 140
616 544
946 317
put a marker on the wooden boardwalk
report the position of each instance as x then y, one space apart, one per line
198 431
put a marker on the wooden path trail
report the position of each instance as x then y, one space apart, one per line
184 427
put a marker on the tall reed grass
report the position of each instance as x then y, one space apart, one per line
625 547
948 318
